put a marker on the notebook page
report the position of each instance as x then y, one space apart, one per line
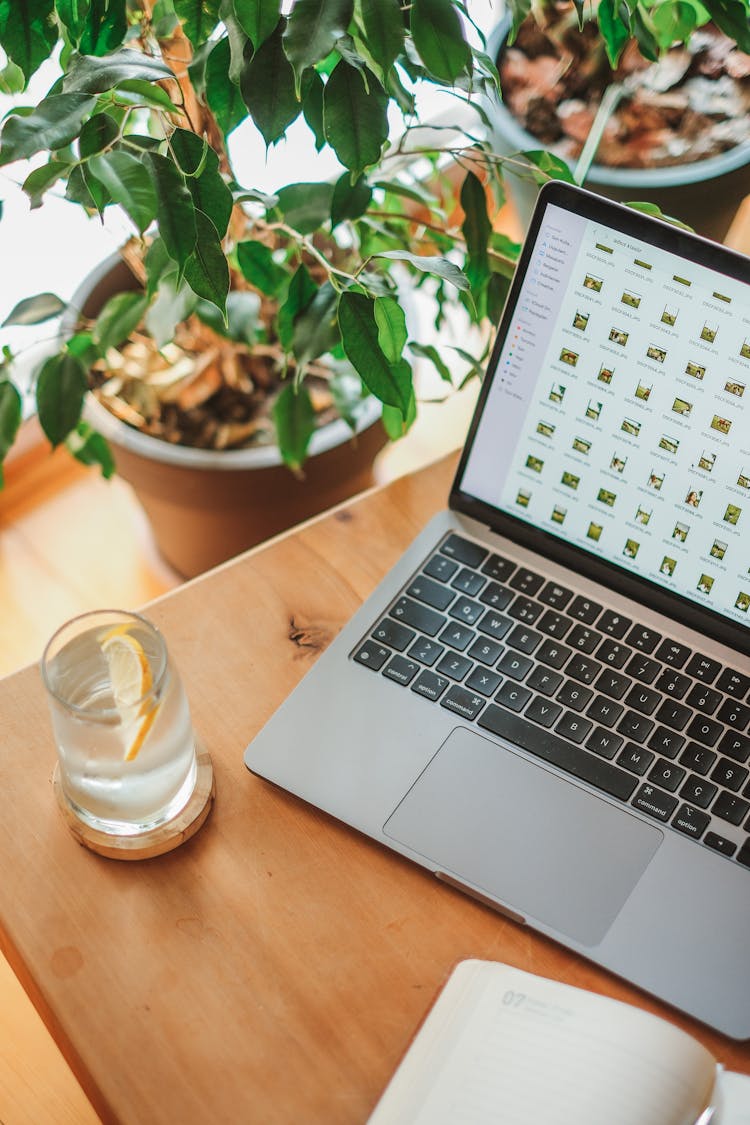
517 1048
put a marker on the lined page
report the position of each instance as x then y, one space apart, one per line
504 1045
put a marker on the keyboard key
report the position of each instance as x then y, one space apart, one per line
643 668
654 802
393 634
430 685
419 616
672 653
574 695
613 684
430 592
635 726
554 624
555 596
645 640
401 670
666 774
635 758
703 668
734 683
612 654
698 791
515 665
526 581
524 609
496 596
486 651
691 821
463 550
498 568
743 855
698 758
462 702
737 746
426 651
704 730
495 625
674 715
673 683
666 742
454 665
441 568
483 680
466 611
728 774
585 610
605 711
703 699
372 655
457 636
468 582
613 624
573 726
583 639
583 668
547 746
543 711
731 807
735 715
544 680
553 655
513 696
643 699
720 844
603 742
523 639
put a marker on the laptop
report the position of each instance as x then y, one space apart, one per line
546 702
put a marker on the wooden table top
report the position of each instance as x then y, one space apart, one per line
274 968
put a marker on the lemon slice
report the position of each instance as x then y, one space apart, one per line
131 679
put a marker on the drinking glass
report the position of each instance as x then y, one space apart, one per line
125 741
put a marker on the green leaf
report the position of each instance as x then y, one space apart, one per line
91 75
120 316
137 92
72 15
438 36
391 383
384 32
76 189
305 207
206 269
545 166
476 228
301 291
439 267
174 303
312 30
315 328
429 352
674 22
243 310
294 419
312 105
90 448
222 95
257 18
355 121
174 208
105 27
55 122
35 310
731 16
257 264
207 187
61 386
98 133
657 213
268 88
350 200
198 18
645 36
615 32
129 184
397 424
41 179
12 79
27 32
391 321
10 418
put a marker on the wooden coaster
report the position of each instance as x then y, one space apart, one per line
156 841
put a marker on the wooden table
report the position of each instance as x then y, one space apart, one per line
275 967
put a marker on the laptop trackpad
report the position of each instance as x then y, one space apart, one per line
525 836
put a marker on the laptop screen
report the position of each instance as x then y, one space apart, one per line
616 416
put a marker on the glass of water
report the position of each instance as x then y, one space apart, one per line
125 741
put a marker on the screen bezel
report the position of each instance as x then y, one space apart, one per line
666 236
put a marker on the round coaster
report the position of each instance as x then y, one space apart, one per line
156 841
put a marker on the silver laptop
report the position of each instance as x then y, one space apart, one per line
547 701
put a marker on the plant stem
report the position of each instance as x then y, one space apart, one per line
610 100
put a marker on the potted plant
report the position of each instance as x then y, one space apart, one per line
265 313
646 101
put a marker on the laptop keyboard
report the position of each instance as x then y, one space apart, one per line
635 714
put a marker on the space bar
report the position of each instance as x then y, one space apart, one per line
544 744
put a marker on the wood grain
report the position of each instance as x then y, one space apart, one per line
275 967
